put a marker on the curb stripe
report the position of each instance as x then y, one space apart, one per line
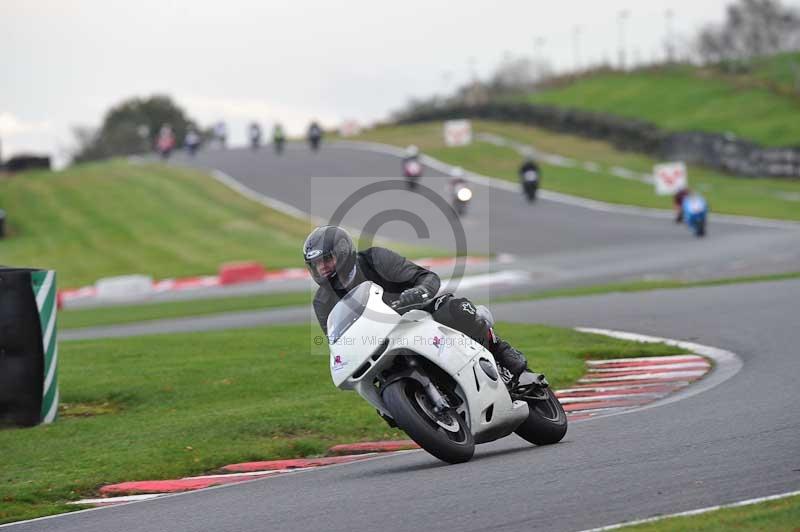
653 368
643 362
663 360
673 374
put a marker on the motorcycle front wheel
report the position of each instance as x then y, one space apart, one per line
546 422
444 435
700 229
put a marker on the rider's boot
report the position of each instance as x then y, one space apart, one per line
514 362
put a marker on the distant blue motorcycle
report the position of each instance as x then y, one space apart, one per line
695 212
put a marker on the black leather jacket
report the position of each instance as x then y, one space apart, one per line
383 266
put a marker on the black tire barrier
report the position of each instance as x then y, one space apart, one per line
28 347
723 152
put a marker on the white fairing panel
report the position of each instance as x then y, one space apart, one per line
367 336
361 338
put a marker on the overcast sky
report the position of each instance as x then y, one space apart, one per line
65 62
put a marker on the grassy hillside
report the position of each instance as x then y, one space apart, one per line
769 198
683 98
116 218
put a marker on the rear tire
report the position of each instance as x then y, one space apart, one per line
546 423
401 398
700 230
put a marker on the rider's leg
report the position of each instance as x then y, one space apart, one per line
461 314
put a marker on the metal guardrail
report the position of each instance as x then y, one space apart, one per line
720 151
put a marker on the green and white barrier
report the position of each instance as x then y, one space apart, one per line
44 290
28 347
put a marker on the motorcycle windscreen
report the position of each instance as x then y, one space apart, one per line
347 311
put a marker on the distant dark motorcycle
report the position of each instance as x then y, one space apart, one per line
314 136
412 171
254 133
530 184
278 144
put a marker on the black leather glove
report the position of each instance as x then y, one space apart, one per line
413 297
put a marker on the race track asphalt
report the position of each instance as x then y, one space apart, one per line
738 440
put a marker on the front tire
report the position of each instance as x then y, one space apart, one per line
700 229
405 400
547 422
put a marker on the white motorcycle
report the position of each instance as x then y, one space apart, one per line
435 383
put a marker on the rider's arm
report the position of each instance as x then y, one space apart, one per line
398 269
322 308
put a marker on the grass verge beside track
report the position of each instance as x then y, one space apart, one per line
641 286
167 406
766 198
770 516
93 317
116 218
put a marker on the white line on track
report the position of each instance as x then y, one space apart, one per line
699 511
121 499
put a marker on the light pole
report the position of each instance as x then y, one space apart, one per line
446 77
622 16
538 44
576 47
472 72
668 17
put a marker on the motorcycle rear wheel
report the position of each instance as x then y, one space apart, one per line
445 436
547 422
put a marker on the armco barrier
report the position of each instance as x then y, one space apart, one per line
721 151
241 272
28 347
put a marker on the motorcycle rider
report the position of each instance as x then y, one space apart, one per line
277 133
166 140
530 176
337 268
677 200
221 134
412 154
314 134
192 140
254 133
529 165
